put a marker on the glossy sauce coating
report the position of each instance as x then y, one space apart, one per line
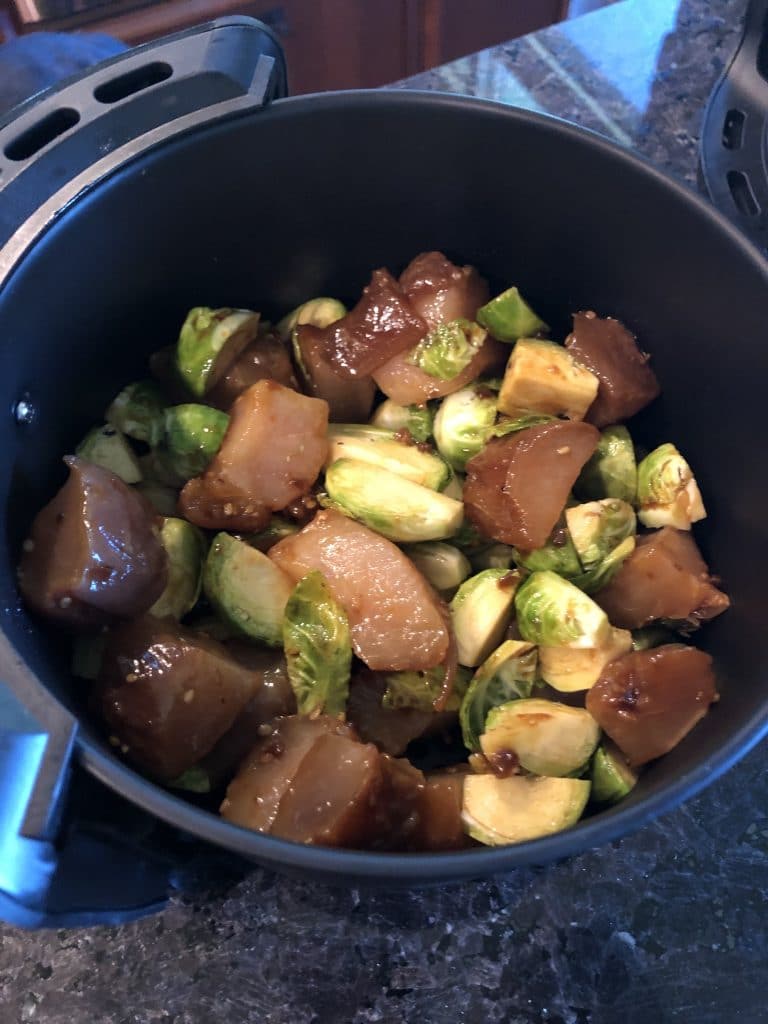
517 486
272 453
273 697
394 615
647 701
349 401
93 553
609 350
168 694
665 577
380 325
440 291
254 795
266 358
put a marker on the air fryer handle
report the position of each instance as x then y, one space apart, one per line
731 159
120 106
36 742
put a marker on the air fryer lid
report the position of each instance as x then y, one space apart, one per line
261 206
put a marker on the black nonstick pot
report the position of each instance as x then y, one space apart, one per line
177 176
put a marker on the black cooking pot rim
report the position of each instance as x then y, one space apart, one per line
338 865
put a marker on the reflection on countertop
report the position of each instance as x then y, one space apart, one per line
639 72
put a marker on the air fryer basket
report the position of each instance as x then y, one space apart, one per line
125 219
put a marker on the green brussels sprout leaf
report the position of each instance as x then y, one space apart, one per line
507 674
448 349
318 648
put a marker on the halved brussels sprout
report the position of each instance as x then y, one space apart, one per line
481 610
320 312
185 546
442 564
598 527
611 472
209 341
494 556
544 737
509 317
383 448
448 349
498 811
542 377
416 419
612 777
553 612
569 669
106 447
509 673
462 424
247 590
558 555
395 507
418 691
138 411
594 579
667 492
318 648
192 434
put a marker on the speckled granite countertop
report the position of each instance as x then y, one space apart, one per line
667 925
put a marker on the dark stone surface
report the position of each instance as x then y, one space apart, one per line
667 925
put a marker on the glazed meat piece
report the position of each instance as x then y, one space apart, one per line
273 697
607 349
438 823
332 798
647 701
168 694
381 325
272 453
517 486
266 358
407 384
665 577
391 729
254 795
93 554
349 401
439 291
395 617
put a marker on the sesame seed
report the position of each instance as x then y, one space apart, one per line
28 545
114 741
65 602
565 450
265 729
131 677
124 748
229 509
189 696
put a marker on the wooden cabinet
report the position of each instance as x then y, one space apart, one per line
455 28
332 44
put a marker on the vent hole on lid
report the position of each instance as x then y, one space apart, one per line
132 82
733 129
743 196
38 135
